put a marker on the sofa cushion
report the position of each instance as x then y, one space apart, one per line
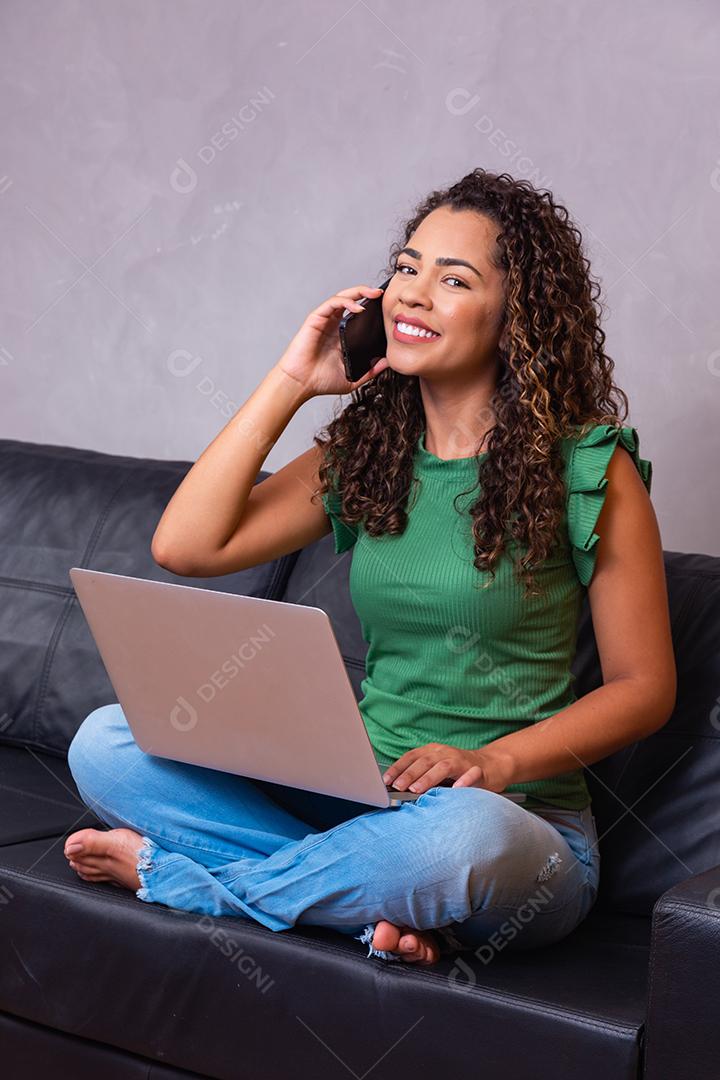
62 507
38 797
319 578
30 1051
147 978
654 801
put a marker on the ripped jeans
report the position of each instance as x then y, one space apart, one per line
464 862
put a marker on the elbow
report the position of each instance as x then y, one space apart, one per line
651 697
170 561
670 696
667 711
661 717
664 700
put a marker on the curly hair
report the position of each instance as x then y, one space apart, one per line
553 376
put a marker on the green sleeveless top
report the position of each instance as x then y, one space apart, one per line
448 662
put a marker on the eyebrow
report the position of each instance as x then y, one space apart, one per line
442 260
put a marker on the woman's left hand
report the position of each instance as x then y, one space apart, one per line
428 765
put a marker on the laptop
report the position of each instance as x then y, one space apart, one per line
246 685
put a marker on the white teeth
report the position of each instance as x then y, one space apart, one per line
406 328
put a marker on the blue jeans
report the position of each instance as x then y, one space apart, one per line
465 862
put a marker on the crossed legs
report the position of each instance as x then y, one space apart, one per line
217 844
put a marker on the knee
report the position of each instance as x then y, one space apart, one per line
91 750
480 826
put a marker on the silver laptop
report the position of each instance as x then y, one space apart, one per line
238 683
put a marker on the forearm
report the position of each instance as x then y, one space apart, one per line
618 713
207 506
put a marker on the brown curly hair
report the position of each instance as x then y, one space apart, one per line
553 376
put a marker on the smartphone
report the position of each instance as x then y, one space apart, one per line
362 336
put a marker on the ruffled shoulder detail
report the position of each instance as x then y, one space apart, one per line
344 534
588 458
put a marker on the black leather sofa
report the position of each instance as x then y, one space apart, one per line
94 983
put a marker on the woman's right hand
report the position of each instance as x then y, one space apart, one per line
314 356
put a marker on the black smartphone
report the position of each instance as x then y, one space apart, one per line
362 336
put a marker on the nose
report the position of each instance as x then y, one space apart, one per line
413 294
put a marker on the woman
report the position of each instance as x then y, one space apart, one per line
484 479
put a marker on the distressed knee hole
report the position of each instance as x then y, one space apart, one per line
549 867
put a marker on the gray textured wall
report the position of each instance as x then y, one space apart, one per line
337 117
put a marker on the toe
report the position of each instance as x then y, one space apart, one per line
86 873
409 944
386 936
84 840
91 866
410 948
419 948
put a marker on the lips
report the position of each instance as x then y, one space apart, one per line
407 337
411 320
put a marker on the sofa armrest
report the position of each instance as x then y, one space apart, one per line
682 1031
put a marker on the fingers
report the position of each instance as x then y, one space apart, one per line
431 778
423 773
400 765
360 290
377 367
336 305
347 298
469 778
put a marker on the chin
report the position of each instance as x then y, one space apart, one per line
399 360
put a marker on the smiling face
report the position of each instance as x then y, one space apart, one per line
463 304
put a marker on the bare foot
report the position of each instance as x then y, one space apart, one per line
414 946
110 855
